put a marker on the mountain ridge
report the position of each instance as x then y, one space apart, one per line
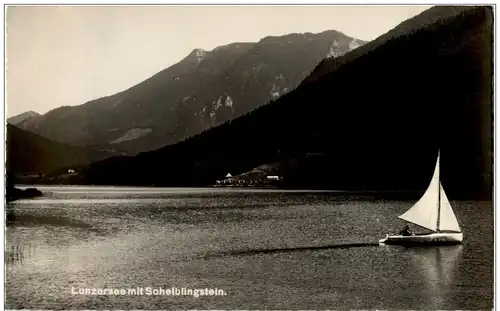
22 117
406 27
182 100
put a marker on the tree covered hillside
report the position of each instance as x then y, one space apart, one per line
28 153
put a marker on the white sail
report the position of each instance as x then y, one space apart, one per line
425 212
447 219
434 201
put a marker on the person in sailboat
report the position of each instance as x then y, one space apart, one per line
406 231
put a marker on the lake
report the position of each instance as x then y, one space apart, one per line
255 249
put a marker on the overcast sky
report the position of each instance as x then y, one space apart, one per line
68 55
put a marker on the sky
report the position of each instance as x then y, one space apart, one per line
68 55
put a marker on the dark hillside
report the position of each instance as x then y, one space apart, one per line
436 14
378 120
28 153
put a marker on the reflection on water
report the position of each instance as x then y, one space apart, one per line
268 250
438 266
437 263
15 218
18 253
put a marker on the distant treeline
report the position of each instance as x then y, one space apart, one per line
378 120
29 153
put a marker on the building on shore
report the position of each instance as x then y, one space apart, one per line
272 177
242 181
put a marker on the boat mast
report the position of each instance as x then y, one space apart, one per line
439 192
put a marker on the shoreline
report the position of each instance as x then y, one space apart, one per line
13 193
40 186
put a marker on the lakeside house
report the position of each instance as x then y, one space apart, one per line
273 178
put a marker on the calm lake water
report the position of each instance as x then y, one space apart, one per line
121 238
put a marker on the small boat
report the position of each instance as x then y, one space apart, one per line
434 212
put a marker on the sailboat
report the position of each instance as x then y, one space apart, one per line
434 212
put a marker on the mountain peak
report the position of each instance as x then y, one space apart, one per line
23 117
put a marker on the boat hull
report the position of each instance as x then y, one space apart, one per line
424 239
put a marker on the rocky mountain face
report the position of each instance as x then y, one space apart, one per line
373 119
23 117
203 90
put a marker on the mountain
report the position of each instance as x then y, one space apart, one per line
205 89
377 119
406 28
31 154
23 117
